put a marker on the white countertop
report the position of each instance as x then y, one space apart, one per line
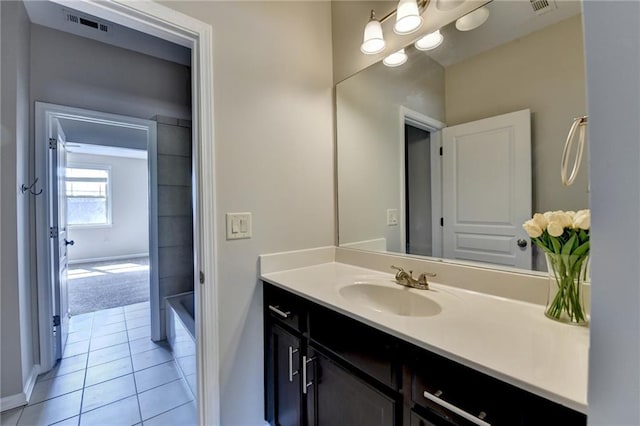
507 339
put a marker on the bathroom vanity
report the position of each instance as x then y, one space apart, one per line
345 345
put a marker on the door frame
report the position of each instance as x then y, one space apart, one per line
434 127
45 116
166 23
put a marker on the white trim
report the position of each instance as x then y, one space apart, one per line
12 401
156 304
434 127
31 381
22 398
168 24
46 115
108 258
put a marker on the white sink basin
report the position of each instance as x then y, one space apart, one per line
398 301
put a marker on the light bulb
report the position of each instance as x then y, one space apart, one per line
473 20
430 41
408 17
373 40
395 59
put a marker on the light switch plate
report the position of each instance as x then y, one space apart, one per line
238 226
392 217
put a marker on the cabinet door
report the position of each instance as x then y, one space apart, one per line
418 420
336 397
283 378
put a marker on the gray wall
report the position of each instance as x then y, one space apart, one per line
274 158
612 40
175 212
19 327
79 72
369 149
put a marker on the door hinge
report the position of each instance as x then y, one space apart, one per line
440 150
201 277
53 232
56 320
53 143
442 221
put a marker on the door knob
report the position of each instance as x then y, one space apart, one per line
68 243
521 243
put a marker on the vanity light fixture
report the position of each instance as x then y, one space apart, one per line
408 20
473 20
430 41
373 41
395 59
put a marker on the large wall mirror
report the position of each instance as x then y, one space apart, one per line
448 154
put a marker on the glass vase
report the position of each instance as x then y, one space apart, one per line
565 299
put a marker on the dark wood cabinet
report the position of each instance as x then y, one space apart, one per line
283 384
323 368
335 396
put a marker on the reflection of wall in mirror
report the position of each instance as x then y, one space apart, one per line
368 117
544 72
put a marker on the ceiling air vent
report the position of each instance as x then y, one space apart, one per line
90 23
540 7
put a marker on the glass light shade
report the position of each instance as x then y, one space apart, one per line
408 17
395 59
373 41
430 41
473 20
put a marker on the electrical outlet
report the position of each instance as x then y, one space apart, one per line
238 226
392 217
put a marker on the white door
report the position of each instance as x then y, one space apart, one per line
487 190
58 239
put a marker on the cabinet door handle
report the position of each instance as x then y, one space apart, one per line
305 384
444 404
279 312
291 372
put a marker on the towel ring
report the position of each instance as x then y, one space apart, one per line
579 126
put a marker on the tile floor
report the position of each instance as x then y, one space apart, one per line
111 374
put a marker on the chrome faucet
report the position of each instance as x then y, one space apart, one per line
406 278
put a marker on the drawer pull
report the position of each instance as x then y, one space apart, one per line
305 384
279 312
444 404
291 372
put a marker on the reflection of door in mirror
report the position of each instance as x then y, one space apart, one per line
487 189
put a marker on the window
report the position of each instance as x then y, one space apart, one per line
88 198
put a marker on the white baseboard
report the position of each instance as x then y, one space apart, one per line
108 258
12 401
31 381
22 398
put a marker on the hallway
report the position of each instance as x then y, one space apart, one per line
111 373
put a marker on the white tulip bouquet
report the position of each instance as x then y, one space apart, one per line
564 239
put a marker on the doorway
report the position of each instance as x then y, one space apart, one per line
83 188
421 183
107 207
109 351
172 26
419 234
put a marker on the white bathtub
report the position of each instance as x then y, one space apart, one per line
181 335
